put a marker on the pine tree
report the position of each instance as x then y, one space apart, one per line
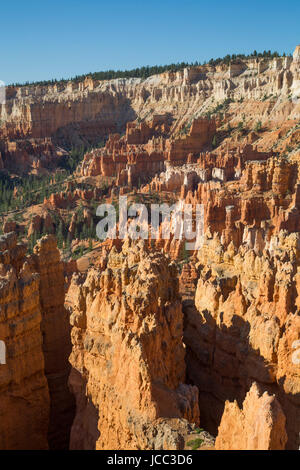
60 235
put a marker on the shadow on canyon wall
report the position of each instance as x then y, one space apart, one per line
223 365
93 131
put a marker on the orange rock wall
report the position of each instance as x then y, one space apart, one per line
260 425
25 401
128 358
55 327
241 325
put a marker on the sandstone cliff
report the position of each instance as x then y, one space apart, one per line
40 111
73 113
242 326
260 425
25 402
227 137
55 328
128 357
36 406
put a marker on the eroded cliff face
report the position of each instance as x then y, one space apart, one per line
144 149
260 425
242 326
55 328
36 407
42 110
128 368
128 357
25 401
73 113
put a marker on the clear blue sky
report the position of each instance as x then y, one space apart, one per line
41 40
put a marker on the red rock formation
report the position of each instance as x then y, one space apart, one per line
241 298
128 358
40 223
63 200
36 406
200 136
9 226
243 325
142 151
188 279
139 134
260 425
55 327
30 155
25 403
75 113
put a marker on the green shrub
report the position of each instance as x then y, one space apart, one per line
258 126
195 444
198 430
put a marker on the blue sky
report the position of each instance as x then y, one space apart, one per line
55 39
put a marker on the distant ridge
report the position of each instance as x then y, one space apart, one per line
146 71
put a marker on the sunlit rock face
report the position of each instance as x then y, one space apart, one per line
260 425
35 119
36 406
243 324
128 357
25 401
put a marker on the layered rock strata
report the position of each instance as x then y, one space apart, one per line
85 112
259 425
25 401
128 357
55 328
36 406
243 324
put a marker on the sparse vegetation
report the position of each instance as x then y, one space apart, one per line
195 443
71 161
198 430
258 126
220 108
17 193
147 71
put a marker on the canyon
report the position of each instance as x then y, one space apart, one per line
134 344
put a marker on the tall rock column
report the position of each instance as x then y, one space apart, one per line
259 425
56 339
128 357
24 403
